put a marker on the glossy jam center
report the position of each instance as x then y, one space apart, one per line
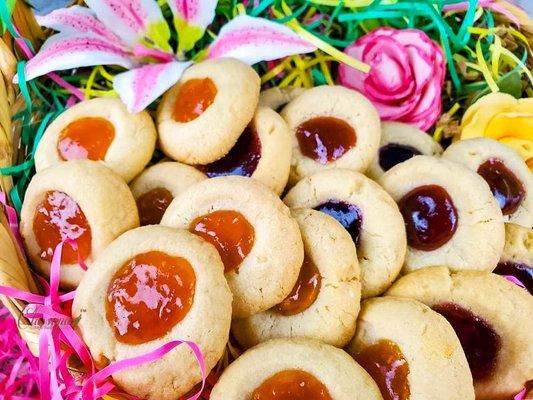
291 384
230 232
86 138
153 204
505 186
304 292
479 340
148 295
193 98
430 217
394 153
522 272
386 364
59 217
241 160
325 139
347 214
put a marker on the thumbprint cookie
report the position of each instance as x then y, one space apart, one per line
102 130
295 369
400 142
369 215
517 257
490 315
150 286
450 214
155 188
262 152
324 303
507 174
332 127
200 119
276 97
80 200
411 351
258 240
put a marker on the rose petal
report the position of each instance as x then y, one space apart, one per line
191 18
139 87
251 40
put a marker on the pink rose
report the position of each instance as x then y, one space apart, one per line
407 75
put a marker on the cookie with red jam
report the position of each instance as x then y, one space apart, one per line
80 200
101 130
410 351
296 369
490 315
450 214
324 302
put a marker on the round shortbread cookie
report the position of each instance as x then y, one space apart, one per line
276 97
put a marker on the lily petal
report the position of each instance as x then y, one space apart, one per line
252 39
74 20
139 87
63 51
191 18
134 21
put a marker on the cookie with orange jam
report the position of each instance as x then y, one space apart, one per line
258 240
508 176
404 346
400 142
276 97
152 285
490 315
262 152
200 119
295 369
450 214
156 187
80 200
332 127
102 130
324 303
367 212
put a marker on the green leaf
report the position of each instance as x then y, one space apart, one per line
511 84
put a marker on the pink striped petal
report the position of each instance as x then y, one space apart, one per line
251 40
191 18
135 21
139 87
75 20
63 51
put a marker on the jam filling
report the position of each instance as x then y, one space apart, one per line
522 272
86 139
505 186
430 217
291 384
394 153
148 296
59 217
304 292
241 160
230 232
479 340
193 98
386 364
152 205
349 216
325 139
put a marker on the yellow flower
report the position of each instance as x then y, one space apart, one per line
502 117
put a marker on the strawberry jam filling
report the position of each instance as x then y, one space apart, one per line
291 384
152 205
86 138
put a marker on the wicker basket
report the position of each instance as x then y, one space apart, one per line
14 270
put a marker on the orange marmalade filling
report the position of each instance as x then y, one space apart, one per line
304 292
59 217
291 384
152 205
148 296
193 98
386 364
86 138
230 232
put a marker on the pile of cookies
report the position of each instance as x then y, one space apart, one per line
369 278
